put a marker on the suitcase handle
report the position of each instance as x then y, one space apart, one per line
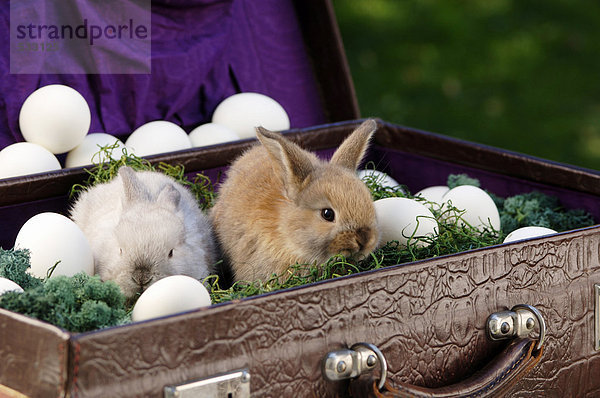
516 360
509 366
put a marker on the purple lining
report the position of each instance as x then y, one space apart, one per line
202 52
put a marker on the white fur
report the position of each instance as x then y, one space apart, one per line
136 220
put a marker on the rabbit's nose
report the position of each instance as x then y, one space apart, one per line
363 238
141 275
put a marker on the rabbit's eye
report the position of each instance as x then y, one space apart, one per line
120 251
171 253
328 214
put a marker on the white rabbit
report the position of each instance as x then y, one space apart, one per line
144 226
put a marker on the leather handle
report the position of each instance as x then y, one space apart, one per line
495 379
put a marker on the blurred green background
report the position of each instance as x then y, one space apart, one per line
521 75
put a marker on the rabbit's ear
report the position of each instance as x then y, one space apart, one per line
295 162
133 187
169 197
353 149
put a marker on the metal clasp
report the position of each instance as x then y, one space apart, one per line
518 322
234 384
350 363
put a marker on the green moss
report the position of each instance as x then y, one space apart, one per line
13 266
79 303
455 180
540 210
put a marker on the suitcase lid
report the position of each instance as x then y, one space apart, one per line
201 52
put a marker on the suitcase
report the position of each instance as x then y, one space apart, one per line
416 329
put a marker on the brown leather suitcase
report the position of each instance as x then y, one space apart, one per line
426 323
428 318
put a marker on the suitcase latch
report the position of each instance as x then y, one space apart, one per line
518 322
235 384
350 363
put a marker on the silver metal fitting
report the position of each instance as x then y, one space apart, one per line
518 322
350 363
234 384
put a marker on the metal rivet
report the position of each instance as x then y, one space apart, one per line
371 360
341 367
530 323
505 327
245 377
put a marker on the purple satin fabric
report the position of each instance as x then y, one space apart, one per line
202 52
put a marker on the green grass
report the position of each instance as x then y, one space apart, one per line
454 235
201 186
520 75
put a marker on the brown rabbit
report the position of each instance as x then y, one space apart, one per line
281 205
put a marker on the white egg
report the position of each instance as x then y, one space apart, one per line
245 111
212 134
25 158
56 117
400 218
159 136
87 152
6 285
528 232
52 237
480 211
382 178
170 295
433 194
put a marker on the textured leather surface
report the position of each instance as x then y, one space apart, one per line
428 318
33 356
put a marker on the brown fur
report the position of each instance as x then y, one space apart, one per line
268 213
